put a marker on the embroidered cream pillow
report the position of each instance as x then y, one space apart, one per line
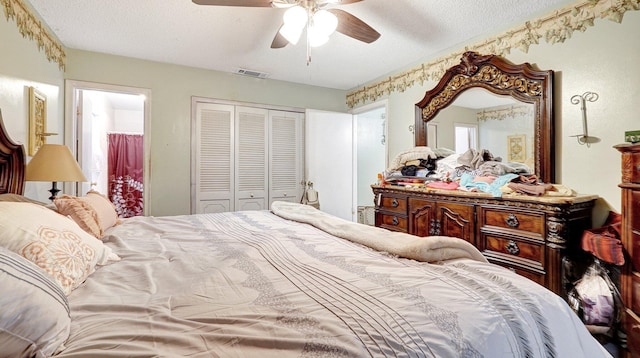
53 242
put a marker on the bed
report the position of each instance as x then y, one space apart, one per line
288 282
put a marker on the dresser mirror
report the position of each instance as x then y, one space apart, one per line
511 107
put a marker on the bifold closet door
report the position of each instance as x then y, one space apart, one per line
286 156
251 158
214 164
245 157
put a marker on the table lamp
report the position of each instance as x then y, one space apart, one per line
54 163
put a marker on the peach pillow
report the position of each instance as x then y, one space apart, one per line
94 213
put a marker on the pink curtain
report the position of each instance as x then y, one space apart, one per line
125 173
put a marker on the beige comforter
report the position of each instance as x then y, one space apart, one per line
425 249
253 284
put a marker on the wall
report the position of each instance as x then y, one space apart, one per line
22 65
602 59
127 121
172 88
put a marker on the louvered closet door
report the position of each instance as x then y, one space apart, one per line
286 156
214 172
251 158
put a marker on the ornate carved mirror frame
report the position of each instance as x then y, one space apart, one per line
498 76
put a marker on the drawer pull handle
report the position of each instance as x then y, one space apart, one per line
395 203
395 220
512 220
512 248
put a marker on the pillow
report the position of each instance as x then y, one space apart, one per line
106 210
53 242
34 319
94 213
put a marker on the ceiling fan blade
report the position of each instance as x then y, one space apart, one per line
279 41
353 27
245 3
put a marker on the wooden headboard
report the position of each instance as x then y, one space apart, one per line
11 163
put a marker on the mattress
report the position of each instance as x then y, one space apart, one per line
255 284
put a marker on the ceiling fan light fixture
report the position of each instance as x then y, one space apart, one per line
291 33
316 37
324 22
295 16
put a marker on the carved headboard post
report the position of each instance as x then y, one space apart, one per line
495 74
12 163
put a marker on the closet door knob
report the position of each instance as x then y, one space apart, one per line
251 195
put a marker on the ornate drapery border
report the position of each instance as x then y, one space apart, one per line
30 27
555 28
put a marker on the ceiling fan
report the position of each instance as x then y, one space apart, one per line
318 17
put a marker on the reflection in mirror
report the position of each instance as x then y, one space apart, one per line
514 122
504 126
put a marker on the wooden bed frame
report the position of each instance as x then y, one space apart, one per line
12 163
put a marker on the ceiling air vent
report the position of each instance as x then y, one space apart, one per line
251 73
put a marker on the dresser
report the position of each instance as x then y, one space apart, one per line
529 235
630 235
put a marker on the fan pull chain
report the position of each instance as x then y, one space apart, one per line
309 19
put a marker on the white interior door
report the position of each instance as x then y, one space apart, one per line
329 148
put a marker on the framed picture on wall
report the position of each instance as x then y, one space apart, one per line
516 148
37 120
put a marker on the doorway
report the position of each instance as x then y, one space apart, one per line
107 134
371 154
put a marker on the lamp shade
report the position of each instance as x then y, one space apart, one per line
54 163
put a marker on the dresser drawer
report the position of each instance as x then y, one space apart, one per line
635 292
393 203
534 275
514 248
632 213
631 165
532 223
632 327
392 222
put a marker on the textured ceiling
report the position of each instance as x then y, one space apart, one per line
227 38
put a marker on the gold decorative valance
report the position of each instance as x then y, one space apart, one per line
554 28
30 27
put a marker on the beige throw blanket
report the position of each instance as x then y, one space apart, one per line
425 249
